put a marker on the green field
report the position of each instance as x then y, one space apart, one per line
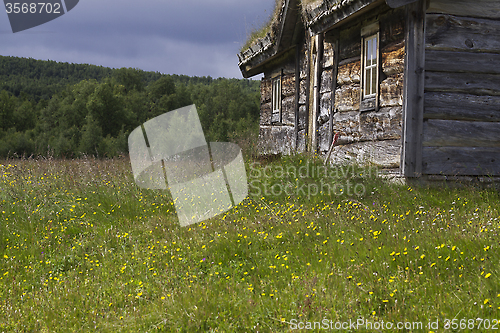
83 249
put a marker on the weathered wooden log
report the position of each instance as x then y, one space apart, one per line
303 91
347 98
350 42
465 62
324 107
472 83
326 81
391 91
448 32
288 85
327 60
301 141
414 83
276 140
347 124
265 114
349 73
456 106
479 8
393 59
471 161
459 133
265 91
384 124
323 137
302 117
288 110
398 3
385 154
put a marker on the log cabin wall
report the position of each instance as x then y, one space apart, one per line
461 132
365 136
279 133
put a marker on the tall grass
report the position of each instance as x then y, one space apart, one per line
82 249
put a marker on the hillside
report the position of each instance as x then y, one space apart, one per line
68 110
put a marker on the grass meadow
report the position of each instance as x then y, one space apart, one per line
83 249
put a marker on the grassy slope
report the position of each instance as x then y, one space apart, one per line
83 249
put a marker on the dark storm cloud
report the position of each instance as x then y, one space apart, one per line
179 37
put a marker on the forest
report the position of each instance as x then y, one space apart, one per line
69 110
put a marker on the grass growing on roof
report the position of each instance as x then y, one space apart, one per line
82 248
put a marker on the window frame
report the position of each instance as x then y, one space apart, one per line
276 97
370 101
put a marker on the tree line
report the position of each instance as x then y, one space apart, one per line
67 110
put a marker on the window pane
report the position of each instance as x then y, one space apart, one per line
368 52
374 50
374 80
368 80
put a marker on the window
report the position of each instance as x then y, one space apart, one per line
370 76
370 62
276 99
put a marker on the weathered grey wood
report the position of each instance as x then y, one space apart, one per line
398 3
385 154
337 17
459 133
393 59
413 107
308 60
456 106
476 8
349 72
347 97
470 161
336 48
265 113
454 61
448 32
350 42
472 83
391 91
297 94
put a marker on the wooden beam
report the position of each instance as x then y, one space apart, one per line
458 106
297 95
455 33
413 105
336 55
459 133
469 83
462 62
398 3
466 161
477 8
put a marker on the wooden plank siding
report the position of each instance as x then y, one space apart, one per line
461 132
460 106
413 107
478 8
461 161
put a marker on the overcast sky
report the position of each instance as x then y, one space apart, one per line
191 37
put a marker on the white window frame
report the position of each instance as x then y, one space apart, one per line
370 34
276 95
370 70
